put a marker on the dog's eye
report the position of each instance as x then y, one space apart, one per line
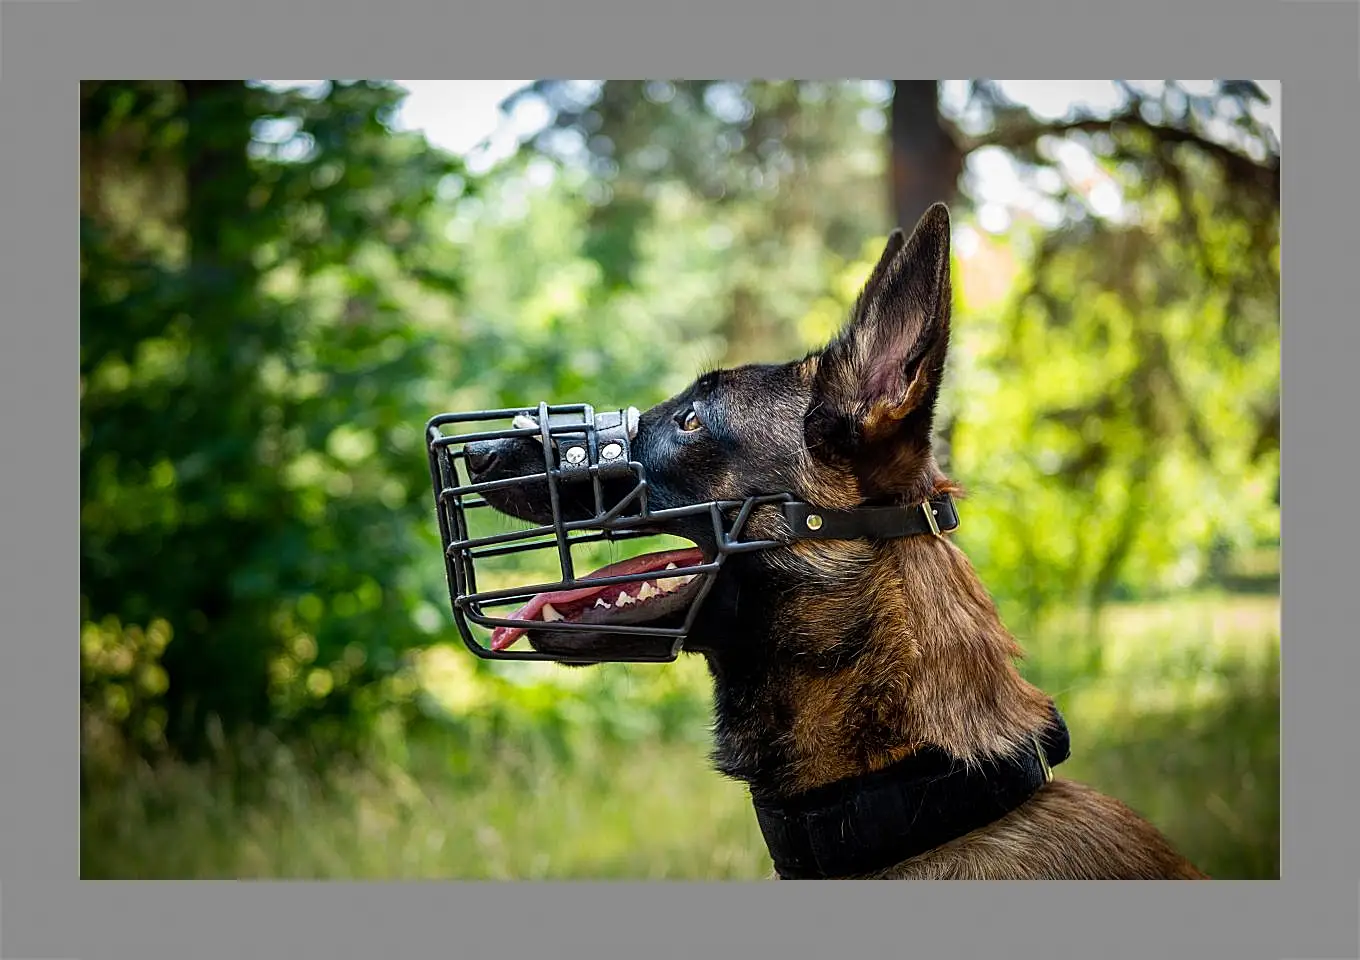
688 420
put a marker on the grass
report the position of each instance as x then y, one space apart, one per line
641 812
1179 717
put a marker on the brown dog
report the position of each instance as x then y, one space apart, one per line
865 688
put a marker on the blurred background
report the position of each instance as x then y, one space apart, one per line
281 281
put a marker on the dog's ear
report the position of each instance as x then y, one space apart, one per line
882 372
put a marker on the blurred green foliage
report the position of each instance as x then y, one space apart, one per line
252 488
278 288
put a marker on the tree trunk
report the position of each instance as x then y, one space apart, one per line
216 675
924 165
926 161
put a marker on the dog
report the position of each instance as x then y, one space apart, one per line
865 688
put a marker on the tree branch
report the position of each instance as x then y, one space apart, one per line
1239 167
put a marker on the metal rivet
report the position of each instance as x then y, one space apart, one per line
814 522
611 451
576 454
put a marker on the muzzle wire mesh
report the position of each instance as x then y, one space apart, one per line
578 446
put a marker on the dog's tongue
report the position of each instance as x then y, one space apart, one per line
503 637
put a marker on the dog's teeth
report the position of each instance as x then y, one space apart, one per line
648 591
550 613
669 584
687 579
671 565
599 602
623 600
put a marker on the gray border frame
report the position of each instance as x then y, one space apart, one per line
1311 913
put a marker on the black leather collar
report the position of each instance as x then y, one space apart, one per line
936 516
872 822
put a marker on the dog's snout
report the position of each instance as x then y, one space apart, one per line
481 457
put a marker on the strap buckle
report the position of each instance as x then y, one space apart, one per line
929 510
1043 759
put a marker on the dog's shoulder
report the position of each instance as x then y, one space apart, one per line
1069 831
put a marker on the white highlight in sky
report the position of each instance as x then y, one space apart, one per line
464 117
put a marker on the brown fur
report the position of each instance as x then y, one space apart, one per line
1068 831
832 659
928 660
940 670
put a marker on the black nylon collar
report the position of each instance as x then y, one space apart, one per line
875 821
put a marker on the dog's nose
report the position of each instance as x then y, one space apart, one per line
481 457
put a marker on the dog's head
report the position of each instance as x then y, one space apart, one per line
842 427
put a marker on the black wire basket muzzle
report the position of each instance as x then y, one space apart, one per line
582 452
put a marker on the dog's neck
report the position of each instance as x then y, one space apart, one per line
873 652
